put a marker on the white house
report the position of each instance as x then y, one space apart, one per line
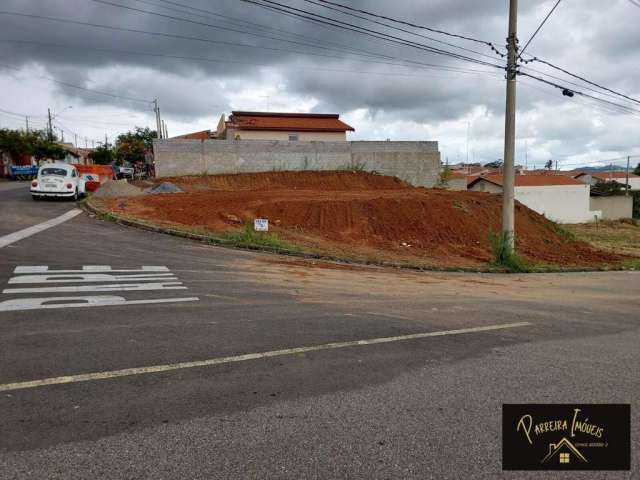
557 197
592 178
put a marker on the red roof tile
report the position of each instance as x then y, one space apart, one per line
302 122
530 180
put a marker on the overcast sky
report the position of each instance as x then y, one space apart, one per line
250 58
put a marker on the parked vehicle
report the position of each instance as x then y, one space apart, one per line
91 182
125 172
57 180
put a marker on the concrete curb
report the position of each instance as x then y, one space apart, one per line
221 242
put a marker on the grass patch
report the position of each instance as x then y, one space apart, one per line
461 206
617 236
563 232
353 167
248 236
503 254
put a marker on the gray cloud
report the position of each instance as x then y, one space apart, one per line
323 68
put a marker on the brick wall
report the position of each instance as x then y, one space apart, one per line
415 162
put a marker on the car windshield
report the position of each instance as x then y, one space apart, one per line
61 172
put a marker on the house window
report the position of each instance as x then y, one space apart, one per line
564 458
293 137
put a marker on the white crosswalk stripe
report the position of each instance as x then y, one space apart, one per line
88 279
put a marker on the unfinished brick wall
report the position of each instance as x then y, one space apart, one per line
415 162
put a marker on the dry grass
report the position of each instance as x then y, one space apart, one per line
621 236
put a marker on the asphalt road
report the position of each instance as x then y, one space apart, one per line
416 408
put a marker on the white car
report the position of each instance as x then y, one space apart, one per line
57 180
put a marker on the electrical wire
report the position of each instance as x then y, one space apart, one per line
275 6
622 108
239 22
362 17
404 22
67 84
444 68
539 27
210 25
199 39
549 64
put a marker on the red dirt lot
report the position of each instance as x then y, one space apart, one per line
357 215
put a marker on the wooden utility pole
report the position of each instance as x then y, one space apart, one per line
508 178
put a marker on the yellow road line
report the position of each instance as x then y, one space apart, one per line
86 377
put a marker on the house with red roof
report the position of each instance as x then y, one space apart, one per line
592 178
559 198
292 127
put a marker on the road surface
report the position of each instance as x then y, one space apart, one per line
148 356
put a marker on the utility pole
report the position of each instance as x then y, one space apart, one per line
50 127
626 185
26 117
156 109
75 136
106 140
510 128
164 129
85 143
62 135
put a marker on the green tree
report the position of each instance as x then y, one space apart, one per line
549 164
103 154
132 146
637 170
36 143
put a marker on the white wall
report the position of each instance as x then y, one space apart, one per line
284 136
634 182
560 203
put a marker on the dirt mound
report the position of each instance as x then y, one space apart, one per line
117 189
364 215
165 187
346 180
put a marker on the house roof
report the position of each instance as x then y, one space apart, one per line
201 135
301 122
529 180
607 175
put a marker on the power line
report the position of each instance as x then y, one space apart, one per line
566 91
271 5
199 39
585 87
362 17
549 64
427 66
538 29
410 24
97 92
236 21
210 25
634 2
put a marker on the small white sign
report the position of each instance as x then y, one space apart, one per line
261 225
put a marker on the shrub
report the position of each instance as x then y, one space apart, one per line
503 254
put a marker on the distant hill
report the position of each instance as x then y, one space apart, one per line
606 168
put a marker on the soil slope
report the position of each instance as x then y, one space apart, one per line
360 215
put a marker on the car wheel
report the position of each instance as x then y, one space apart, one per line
35 198
75 195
